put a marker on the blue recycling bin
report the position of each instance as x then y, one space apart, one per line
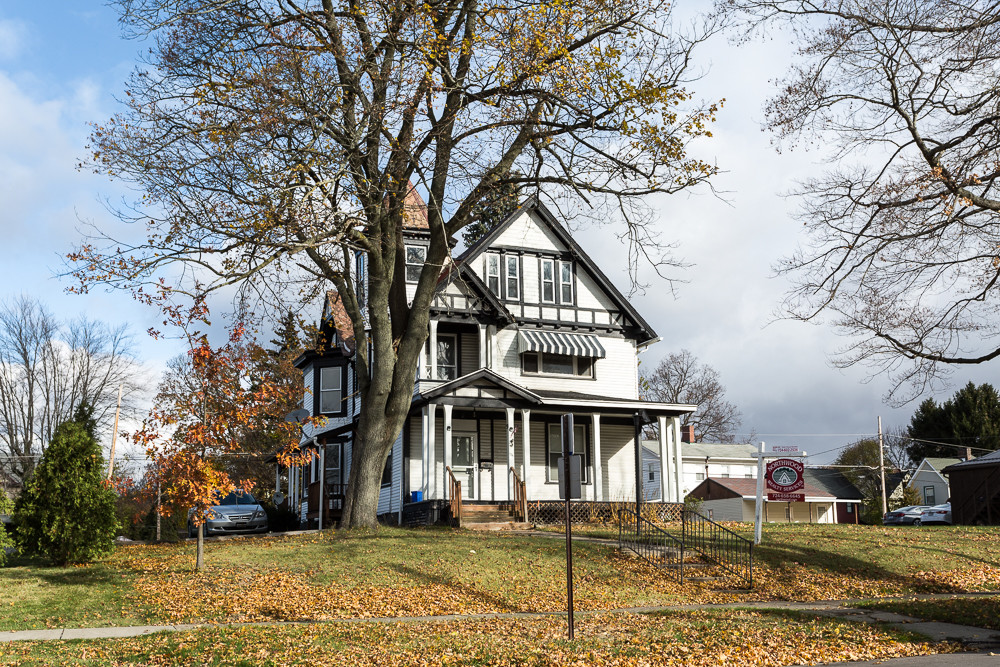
416 496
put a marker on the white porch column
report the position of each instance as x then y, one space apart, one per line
422 363
525 445
482 346
447 443
431 451
678 461
322 483
510 452
434 350
665 486
598 470
425 456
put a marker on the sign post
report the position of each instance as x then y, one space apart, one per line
783 478
567 485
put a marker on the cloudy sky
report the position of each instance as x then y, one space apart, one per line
63 62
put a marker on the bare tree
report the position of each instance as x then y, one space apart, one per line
274 143
679 378
47 369
902 229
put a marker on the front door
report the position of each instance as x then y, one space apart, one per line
463 463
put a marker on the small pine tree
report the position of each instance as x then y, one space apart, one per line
67 511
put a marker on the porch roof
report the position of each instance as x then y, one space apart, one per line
463 391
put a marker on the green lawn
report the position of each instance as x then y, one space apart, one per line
417 572
696 638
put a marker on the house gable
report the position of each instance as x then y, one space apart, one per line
528 243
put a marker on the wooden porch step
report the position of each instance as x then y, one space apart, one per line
496 525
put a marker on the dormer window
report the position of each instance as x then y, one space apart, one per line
416 255
329 391
513 274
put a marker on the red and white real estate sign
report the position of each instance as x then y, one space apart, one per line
784 478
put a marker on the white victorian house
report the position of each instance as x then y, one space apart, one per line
524 328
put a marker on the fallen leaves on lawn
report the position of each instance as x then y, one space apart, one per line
735 638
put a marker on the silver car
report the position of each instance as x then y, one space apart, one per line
235 513
937 514
909 515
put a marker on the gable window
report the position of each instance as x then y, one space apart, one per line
547 363
930 495
513 274
548 281
565 282
447 357
330 391
416 255
493 273
555 451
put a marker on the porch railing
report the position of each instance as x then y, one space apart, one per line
650 542
454 497
730 551
520 497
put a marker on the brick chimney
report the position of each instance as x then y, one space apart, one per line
687 433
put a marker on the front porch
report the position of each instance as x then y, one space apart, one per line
490 432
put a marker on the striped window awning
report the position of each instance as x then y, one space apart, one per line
552 342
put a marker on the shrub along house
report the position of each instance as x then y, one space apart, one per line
525 327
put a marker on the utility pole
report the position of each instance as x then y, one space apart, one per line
114 433
881 467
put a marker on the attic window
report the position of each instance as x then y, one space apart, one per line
493 273
513 263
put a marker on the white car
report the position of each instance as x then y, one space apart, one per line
937 514
910 515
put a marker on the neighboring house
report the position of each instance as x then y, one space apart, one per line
703 460
975 490
930 481
524 327
848 497
735 499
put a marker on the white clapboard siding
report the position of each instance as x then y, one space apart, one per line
618 454
526 232
389 496
615 375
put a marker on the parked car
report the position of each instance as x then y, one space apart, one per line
909 515
234 513
937 514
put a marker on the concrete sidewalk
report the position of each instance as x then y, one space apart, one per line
972 637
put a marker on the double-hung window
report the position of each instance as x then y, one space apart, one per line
548 281
330 391
557 281
513 275
493 273
565 282
447 357
416 255
548 363
555 451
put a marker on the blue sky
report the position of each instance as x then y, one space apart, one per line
63 63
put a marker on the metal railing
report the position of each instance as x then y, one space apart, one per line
454 497
650 542
730 551
520 497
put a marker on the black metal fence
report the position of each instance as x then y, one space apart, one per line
542 512
699 536
717 544
650 542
